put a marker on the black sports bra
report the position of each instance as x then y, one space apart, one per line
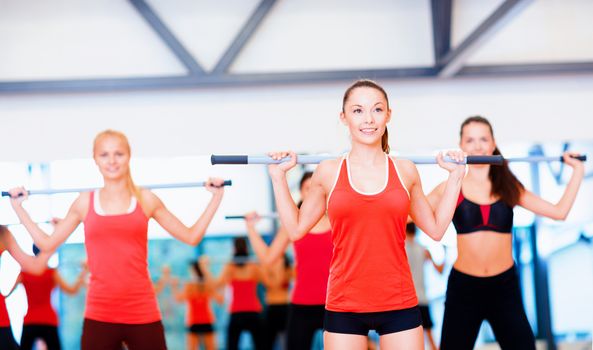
470 217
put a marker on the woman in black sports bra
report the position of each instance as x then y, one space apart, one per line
483 284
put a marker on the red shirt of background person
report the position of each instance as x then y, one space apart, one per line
121 297
367 175
312 255
34 265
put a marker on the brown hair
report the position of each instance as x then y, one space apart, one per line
134 190
369 84
504 183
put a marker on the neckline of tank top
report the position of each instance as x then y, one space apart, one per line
367 193
99 210
476 203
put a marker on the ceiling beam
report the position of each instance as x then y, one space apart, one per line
455 59
182 54
243 36
441 28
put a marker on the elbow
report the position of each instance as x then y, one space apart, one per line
436 235
194 240
559 215
47 246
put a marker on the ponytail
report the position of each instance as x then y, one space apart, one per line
385 141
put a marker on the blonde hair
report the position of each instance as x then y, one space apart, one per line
134 190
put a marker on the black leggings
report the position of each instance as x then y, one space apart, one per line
275 318
7 339
47 333
97 335
245 321
303 322
497 299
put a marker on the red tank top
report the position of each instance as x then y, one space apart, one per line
120 289
38 289
199 311
245 296
313 255
4 319
369 268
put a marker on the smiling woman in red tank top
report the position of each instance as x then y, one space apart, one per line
121 303
368 196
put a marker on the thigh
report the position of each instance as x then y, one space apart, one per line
407 339
209 341
339 341
98 335
7 339
192 341
463 312
234 330
255 325
49 334
461 325
510 325
28 337
149 336
303 322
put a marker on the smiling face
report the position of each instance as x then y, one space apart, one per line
366 113
477 139
112 156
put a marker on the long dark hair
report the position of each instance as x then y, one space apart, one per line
370 84
241 252
505 184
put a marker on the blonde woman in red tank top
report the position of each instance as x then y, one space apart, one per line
368 196
121 304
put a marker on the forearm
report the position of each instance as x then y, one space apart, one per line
259 246
570 193
287 210
198 230
446 206
40 238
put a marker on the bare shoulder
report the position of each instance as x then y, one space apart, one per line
407 169
404 165
326 171
149 201
328 167
80 206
